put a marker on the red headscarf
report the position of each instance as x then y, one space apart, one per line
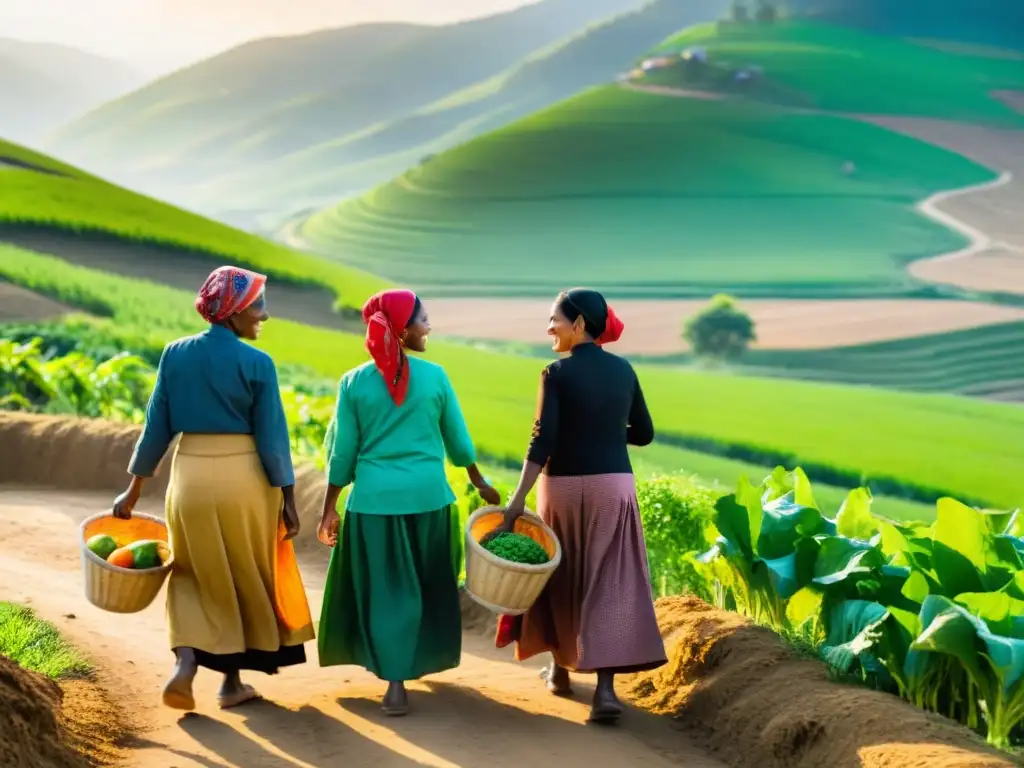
386 315
613 328
228 291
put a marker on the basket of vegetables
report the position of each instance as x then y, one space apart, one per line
124 562
507 572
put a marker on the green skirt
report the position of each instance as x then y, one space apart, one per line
391 601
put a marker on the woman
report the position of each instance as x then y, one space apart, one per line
596 613
391 602
231 488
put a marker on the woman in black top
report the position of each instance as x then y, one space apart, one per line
596 613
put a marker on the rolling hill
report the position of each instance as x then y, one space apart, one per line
810 64
363 159
60 209
266 99
646 195
44 85
983 22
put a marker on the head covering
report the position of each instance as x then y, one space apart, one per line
228 291
599 319
386 315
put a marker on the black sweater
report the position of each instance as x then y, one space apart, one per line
590 408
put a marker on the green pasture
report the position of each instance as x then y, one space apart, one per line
646 195
834 68
908 445
69 200
975 361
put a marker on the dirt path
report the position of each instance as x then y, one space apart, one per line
487 712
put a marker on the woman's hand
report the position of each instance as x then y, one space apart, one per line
291 518
513 511
489 494
327 531
124 504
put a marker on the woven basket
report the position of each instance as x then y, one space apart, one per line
499 585
116 589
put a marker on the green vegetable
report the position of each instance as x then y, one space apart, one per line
145 553
101 545
517 548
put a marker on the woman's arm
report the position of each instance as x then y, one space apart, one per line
640 430
542 445
152 443
342 445
458 444
273 443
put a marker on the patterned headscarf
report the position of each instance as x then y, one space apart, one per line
228 291
386 315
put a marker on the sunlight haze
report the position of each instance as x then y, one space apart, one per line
156 35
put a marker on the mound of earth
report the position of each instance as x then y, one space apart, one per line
739 690
32 731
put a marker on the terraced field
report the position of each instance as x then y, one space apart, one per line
648 196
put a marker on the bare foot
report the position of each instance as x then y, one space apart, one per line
234 692
177 693
556 680
606 707
396 700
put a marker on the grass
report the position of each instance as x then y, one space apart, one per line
808 64
648 195
916 447
67 199
36 644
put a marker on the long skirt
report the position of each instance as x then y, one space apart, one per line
223 517
391 601
597 611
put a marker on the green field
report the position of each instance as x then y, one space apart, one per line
976 361
647 195
832 68
63 198
913 446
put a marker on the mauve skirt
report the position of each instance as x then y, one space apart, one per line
596 612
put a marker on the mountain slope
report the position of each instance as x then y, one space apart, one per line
260 101
360 160
983 22
43 85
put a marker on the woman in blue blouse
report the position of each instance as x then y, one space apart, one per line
231 490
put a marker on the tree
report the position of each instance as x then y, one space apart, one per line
766 13
740 12
720 330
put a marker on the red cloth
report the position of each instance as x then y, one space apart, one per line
228 291
386 315
613 328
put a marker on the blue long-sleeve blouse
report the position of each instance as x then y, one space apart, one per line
214 383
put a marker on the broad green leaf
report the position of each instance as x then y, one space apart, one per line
784 522
959 548
803 605
948 629
1003 614
853 631
841 558
917 587
855 520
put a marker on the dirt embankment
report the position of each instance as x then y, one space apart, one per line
740 692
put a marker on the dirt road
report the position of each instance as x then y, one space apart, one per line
489 711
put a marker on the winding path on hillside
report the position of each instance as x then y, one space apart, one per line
989 215
488 712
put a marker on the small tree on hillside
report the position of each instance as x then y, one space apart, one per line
766 13
740 13
721 330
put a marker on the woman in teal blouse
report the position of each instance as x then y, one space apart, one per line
391 601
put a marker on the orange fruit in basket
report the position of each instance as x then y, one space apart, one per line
122 558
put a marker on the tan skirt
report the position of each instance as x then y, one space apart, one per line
596 612
223 517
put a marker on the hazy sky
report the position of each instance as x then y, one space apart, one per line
158 34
